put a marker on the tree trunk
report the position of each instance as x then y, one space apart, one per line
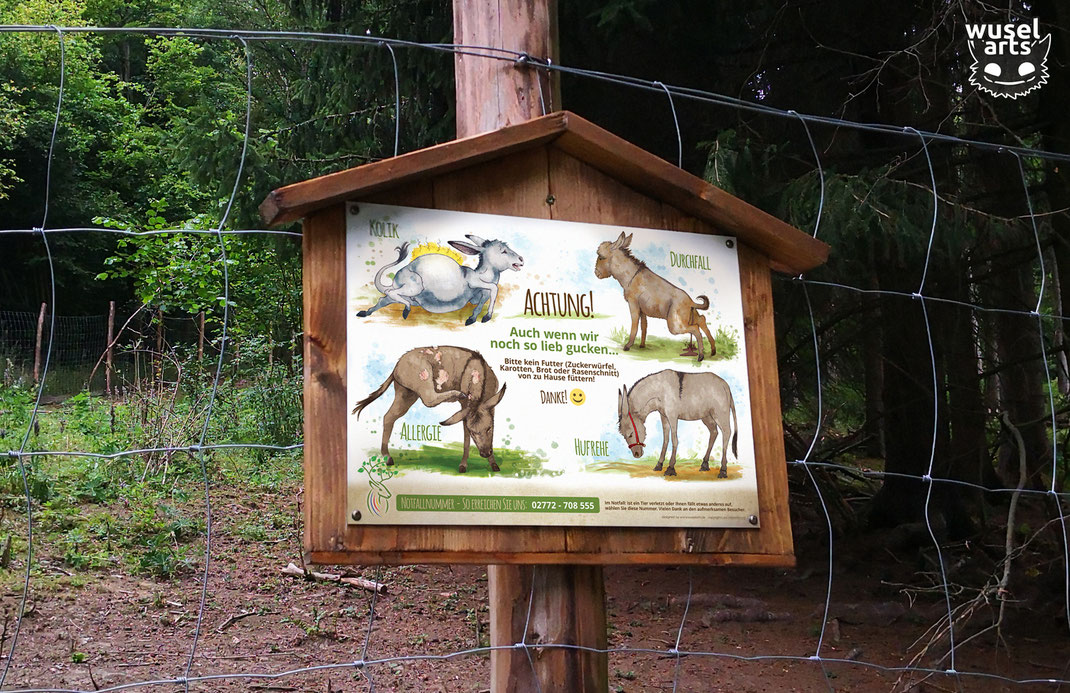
909 416
1021 382
1012 284
967 449
873 365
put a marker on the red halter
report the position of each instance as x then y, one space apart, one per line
636 430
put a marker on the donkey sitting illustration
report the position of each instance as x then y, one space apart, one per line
678 396
650 295
435 375
439 284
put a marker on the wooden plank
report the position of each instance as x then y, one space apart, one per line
416 194
517 185
585 194
661 180
299 199
111 347
505 557
493 93
324 281
37 343
788 248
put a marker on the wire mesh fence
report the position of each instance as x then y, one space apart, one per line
78 342
185 635
79 349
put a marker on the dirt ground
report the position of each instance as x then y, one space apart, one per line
92 630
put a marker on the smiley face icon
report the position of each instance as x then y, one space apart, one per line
577 397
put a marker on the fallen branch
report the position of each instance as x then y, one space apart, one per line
370 585
93 679
234 618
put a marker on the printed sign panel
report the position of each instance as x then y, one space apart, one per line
531 372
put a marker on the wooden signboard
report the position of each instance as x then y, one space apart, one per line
506 370
555 168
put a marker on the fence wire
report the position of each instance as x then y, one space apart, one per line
14 328
78 340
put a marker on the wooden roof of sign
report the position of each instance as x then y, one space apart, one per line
788 249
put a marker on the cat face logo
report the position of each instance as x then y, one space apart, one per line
1009 60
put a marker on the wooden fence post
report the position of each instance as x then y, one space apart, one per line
200 336
493 93
569 601
37 344
568 606
108 357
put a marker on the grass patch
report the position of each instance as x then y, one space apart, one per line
686 470
140 513
669 348
443 459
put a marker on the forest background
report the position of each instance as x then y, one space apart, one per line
150 137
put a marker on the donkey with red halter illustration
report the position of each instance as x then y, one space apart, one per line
678 396
650 294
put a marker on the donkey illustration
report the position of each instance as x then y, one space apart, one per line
678 396
440 284
435 375
651 295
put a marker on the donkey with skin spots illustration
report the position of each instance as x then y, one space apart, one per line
435 375
439 284
651 295
678 396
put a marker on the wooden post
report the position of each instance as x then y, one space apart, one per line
37 344
493 93
569 601
108 357
200 336
568 606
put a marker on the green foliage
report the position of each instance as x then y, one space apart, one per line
870 216
38 482
16 404
315 628
96 115
376 466
671 348
445 458
137 512
727 339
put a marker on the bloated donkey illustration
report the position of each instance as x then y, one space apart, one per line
677 396
435 375
439 283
